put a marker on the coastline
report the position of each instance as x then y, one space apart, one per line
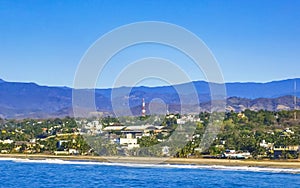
290 164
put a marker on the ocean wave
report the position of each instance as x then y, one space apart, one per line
140 165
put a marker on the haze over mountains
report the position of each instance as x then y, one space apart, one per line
24 100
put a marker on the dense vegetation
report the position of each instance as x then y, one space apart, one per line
40 136
244 131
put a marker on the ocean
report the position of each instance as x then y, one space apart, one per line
58 173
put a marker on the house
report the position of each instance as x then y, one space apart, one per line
113 128
189 118
282 152
73 152
150 131
266 145
289 131
181 121
94 127
129 142
143 130
4 151
7 141
232 154
165 131
60 143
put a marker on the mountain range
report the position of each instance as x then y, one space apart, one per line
29 100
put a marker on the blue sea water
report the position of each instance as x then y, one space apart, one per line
57 173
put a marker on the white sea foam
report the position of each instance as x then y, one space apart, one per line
6 159
139 165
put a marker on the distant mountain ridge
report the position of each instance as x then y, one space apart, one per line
22 100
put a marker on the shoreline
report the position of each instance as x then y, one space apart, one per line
290 164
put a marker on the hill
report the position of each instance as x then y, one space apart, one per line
24 100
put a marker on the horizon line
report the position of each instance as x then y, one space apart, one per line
152 86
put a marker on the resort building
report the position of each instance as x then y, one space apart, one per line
285 152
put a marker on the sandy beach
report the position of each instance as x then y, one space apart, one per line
295 164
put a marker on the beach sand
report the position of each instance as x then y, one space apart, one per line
295 164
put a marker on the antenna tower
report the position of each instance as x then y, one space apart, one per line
295 100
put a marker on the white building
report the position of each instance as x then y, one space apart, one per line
129 142
7 141
73 151
266 145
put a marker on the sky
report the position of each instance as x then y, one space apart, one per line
252 41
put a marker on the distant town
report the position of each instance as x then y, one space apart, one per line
247 134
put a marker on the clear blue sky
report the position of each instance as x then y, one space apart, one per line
43 41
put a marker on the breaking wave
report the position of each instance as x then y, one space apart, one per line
140 165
